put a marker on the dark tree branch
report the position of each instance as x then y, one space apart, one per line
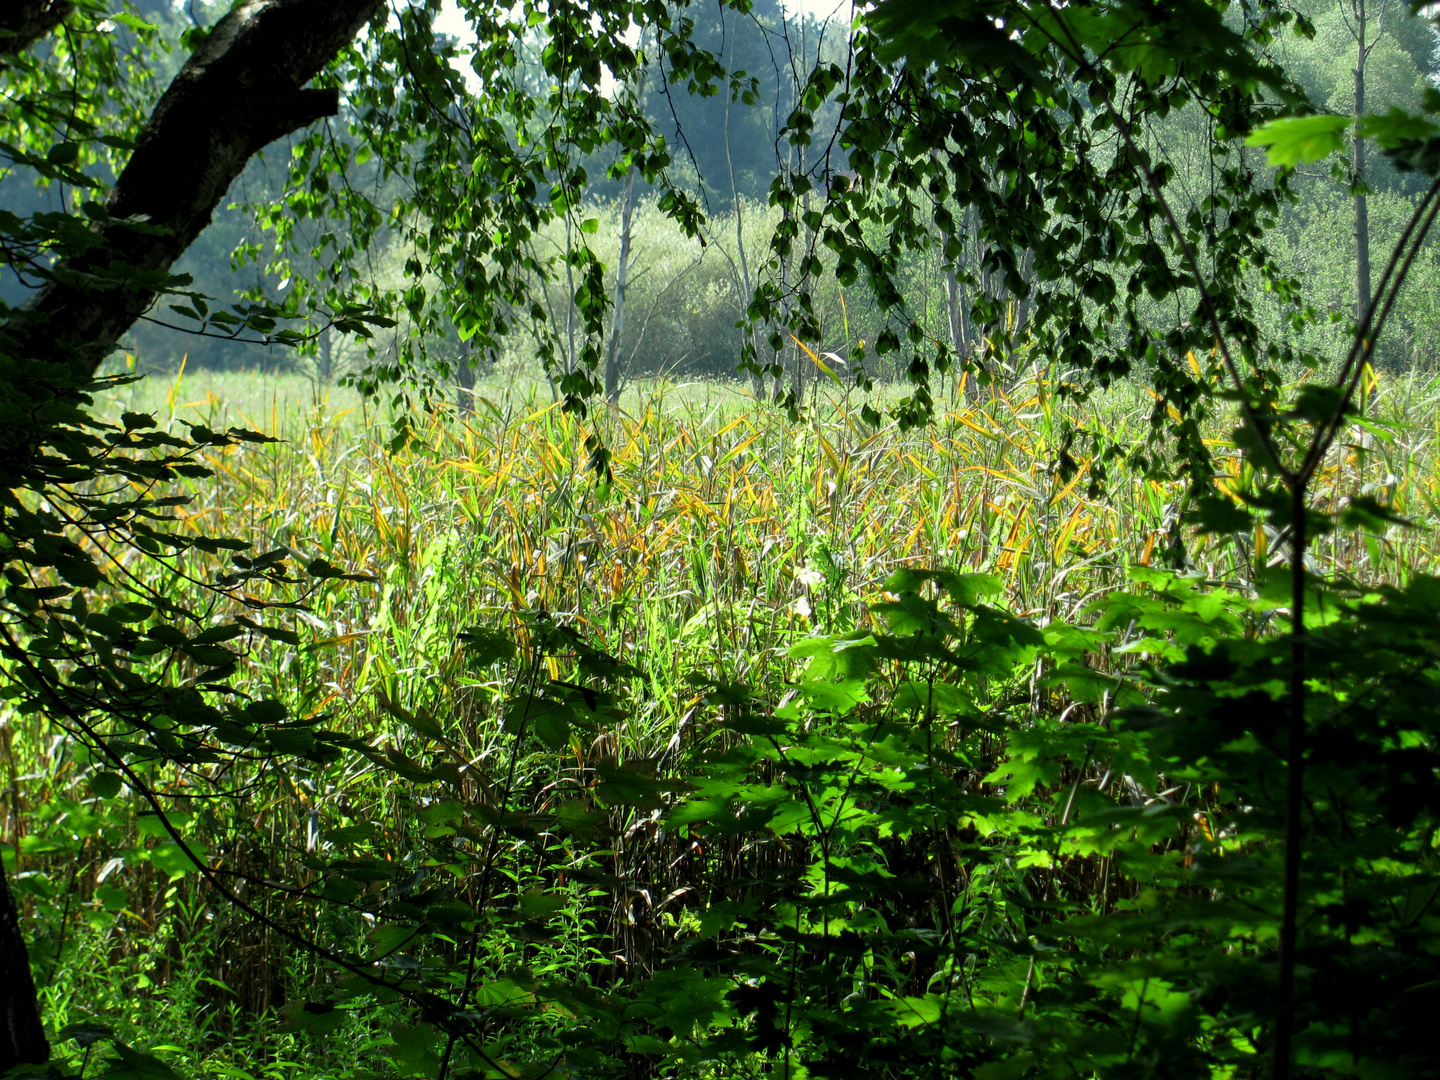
243 88
22 1038
24 22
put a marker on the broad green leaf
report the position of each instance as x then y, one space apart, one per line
634 784
134 22
485 646
445 811
1292 140
351 834
936 698
541 905
149 823
450 912
86 1034
1220 516
106 785
63 153
837 697
112 898
130 1064
312 1017
170 858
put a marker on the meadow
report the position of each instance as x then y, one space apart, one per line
727 537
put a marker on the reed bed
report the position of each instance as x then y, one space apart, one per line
724 534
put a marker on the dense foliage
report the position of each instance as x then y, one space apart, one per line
1187 829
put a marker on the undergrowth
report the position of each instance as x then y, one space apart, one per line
789 745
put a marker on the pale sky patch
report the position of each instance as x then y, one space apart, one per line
452 21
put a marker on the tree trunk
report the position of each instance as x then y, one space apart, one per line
465 381
1023 304
22 1038
757 377
1362 210
954 300
325 355
955 313
622 270
243 88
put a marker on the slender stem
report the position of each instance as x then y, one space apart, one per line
1294 789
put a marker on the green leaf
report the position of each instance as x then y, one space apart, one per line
170 858
65 153
590 225
351 834
912 1012
1291 140
540 905
134 22
134 421
86 1034
450 912
485 646
1319 403
580 819
634 784
112 898
149 823
551 723
275 633
166 635
340 890
404 765
217 634
938 698
290 740
503 993
313 1017
1082 682
837 697
414 1047
389 938
1220 516
105 785
264 713
442 812
79 570
134 1065
1368 513
721 916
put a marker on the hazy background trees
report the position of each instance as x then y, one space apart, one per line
685 301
